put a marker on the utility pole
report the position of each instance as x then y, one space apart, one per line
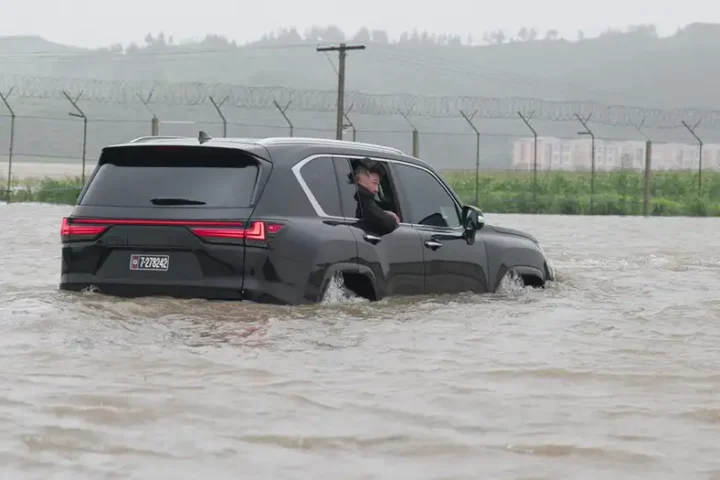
342 50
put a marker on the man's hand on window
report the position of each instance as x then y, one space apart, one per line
394 215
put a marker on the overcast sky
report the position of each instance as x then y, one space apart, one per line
95 23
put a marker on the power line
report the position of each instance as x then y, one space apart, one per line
488 108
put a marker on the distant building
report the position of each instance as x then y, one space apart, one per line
576 155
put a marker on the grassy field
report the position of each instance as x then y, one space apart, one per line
568 193
616 193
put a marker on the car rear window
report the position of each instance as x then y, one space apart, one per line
134 176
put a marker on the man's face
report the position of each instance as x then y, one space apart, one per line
371 181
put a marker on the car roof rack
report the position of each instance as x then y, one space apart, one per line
203 137
327 141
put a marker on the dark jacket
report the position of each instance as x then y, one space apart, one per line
372 214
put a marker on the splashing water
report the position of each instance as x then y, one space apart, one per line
511 285
337 292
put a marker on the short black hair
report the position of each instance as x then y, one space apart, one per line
370 166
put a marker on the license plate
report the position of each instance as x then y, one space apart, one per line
153 263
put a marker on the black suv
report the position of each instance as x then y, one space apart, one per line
273 221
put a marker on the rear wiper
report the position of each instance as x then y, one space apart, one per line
175 201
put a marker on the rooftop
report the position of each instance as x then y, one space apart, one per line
269 141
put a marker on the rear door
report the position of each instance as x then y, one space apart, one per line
168 215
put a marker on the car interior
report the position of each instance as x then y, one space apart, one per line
386 197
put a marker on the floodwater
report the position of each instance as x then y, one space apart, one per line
612 372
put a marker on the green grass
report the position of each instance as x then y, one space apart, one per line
42 190
616 193
568 193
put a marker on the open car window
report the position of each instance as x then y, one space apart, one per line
386 197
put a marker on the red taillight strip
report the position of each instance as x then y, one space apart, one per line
67 229
201 228
257 232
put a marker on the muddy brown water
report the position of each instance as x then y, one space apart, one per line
611 372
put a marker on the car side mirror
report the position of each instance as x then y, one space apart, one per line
472 219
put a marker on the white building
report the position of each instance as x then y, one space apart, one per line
575 155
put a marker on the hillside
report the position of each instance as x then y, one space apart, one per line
631 67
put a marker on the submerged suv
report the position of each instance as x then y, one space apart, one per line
273 221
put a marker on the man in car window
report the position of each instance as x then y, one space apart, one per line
367 178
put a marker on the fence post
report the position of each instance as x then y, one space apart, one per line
415 143
415 132
477 154
155 121
592 159
647 180
648 177
700 142
12 140
282 112
535 142
79 114
217 108
350 123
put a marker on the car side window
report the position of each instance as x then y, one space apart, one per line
346 186
428 201
319 175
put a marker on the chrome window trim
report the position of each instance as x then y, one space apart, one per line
303 184
322 214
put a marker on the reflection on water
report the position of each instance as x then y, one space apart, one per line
609 372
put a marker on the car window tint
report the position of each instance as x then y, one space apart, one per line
429 202
319 175
347 187
133 176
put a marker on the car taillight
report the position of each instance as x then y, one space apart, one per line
70 231
260 231
212 230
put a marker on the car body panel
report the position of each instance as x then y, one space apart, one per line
296 265
509 251
395 259
451 264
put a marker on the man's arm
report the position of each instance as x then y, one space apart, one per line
376 216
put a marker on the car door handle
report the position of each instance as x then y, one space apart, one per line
372 238
433 244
